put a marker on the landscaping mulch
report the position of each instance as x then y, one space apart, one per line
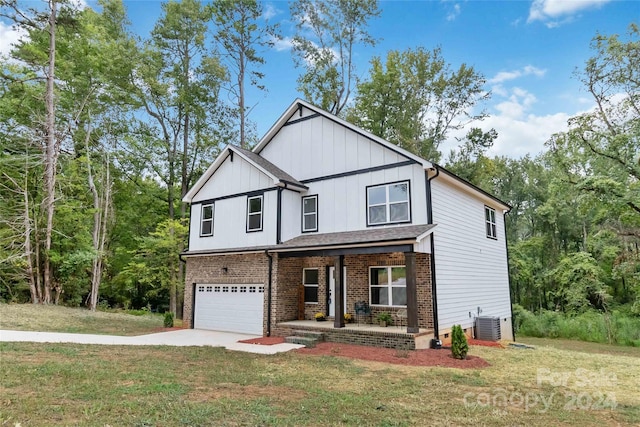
425 357
264 340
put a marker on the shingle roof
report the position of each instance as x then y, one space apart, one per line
372 235
268 166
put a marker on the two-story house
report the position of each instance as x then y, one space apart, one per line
271 227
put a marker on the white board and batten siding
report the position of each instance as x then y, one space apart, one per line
230 214
319 147
471 269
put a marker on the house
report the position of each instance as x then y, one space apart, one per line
321 215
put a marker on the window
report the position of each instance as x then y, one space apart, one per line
254 213
388 286
309 213
310 282
206 221
490 221
388 203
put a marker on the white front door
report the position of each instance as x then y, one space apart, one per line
332 291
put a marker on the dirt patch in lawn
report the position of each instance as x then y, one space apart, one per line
237 391
264 340
399 357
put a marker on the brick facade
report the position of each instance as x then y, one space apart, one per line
287 281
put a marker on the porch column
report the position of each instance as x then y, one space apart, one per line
412 293
338 298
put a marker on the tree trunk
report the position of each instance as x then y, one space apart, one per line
243 143
51 154
35 298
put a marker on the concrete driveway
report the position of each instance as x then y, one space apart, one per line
178 338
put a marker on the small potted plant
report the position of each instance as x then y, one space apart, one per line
348 318
320 317
384 318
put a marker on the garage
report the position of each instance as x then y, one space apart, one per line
229 308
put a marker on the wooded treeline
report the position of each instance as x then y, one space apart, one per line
102 132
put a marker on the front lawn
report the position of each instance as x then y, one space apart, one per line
68 384
52 318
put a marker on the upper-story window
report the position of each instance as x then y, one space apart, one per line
206 220
388 203
309 214
490 222
254 213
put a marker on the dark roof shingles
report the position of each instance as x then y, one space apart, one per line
269 167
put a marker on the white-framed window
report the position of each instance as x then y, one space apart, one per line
310 280
388 203
310 213
490 222
388 286
206 220
254 213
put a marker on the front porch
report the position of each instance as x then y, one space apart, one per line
361 334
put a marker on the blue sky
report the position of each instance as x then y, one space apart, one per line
527 50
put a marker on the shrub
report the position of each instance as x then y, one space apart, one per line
168 319
459 346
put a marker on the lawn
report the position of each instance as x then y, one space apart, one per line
52 318
68 384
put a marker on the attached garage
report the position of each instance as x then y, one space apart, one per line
229 308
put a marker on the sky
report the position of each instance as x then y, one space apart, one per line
528 52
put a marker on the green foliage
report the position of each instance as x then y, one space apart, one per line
616 327
459 346
168 319
414 99
385 317
327 33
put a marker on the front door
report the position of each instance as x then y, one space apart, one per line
332 291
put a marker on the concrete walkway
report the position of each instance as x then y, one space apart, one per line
179 338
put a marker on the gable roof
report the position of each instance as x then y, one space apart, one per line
280 178
298 103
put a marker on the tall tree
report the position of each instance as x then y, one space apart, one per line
328 32
414 99
240 36
179 83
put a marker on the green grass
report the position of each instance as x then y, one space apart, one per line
51 318
88 385
66 384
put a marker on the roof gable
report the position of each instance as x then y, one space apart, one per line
277 175
298 104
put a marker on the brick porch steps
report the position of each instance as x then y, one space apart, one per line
306 338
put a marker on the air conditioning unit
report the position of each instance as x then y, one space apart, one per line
488 328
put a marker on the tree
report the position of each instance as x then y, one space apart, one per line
239 35
414 99
328 32
598 155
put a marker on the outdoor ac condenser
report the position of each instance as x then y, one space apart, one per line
488 328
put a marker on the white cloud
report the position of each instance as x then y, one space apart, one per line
284 43
270 11
520 132
454 12
557 12
527 70
9 36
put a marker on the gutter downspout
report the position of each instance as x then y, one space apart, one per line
506 244
435 342
266 252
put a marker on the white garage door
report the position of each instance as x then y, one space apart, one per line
231 308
